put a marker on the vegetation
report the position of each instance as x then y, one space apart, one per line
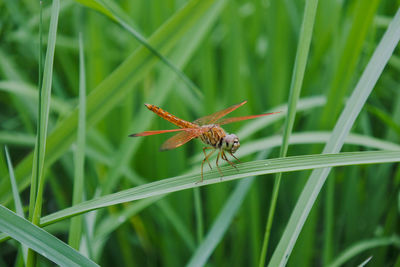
317 185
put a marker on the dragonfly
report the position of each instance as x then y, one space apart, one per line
208 129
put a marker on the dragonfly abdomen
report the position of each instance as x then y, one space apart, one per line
171 118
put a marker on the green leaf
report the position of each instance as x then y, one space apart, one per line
248 169
76 223
17 199
245 170
362 246
37 181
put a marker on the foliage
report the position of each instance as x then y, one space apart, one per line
193 58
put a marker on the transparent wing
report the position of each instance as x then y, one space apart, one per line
160 132
181 139
235 119
217 115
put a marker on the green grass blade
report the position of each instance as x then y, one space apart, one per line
199 215
17 198
309 138
303 49
211 177
362 246
39 240
18 139
37 181
75 230
254 168
44 108
341 130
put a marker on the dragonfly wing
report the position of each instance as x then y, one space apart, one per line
217 115
180 139
235 119
159 132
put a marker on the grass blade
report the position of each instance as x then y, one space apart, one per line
362 246
40 241
295 88
245 170
37 181
254 168
44 108
17 199
75 230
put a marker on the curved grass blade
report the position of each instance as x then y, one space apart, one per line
362 246
341 130
245 170
309 138
288 164
40 241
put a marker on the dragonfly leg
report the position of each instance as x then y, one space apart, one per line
216 164
205 159
223 156
235 157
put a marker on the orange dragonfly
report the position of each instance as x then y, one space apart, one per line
207 129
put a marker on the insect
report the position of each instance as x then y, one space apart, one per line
207 128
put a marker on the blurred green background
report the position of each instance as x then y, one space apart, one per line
239 50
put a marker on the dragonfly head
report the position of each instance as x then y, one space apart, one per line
231 143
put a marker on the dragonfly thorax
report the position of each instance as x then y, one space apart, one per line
217 137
